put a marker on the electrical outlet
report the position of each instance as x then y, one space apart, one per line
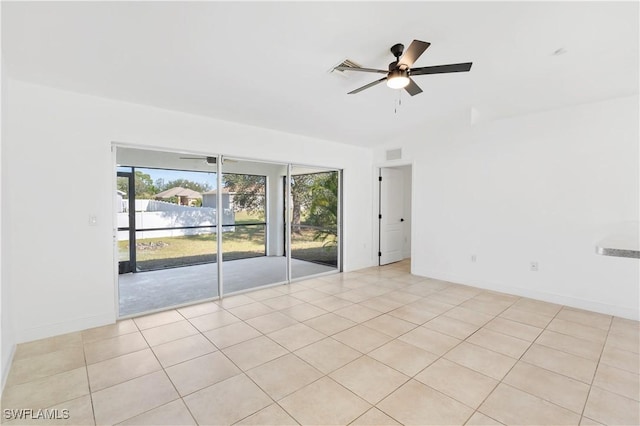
534 266
473 258
93 220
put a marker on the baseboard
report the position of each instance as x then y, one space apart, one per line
6 368
574 302
70 326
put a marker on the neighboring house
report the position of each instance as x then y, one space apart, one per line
186 196
210 199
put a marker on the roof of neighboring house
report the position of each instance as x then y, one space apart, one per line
178 191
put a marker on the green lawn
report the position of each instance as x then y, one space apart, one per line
244 242
244 216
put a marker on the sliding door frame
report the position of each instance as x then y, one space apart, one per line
219 198
339 250
287 221
219 217
131 229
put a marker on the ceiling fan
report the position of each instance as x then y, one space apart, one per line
400 72
209 160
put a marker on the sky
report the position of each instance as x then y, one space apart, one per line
169 175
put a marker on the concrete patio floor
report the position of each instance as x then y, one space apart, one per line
148 291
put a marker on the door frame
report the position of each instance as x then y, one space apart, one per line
115 145
287 221
131 199
376 205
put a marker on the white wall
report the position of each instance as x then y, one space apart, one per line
59 143
7 338
543 187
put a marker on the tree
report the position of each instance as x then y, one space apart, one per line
313 195
143 184
184 183
249 191
301 198
323 211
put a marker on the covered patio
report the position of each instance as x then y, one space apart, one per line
149 291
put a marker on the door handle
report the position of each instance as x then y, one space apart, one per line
401 219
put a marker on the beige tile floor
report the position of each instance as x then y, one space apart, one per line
373 347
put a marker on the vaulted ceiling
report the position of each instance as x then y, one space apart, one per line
268 63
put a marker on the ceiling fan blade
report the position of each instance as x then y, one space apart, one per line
353 92
209 160
343 68
416 48
412 88
439 69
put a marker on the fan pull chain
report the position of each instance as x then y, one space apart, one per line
398 103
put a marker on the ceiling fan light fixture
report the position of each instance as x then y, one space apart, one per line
400 71
398 79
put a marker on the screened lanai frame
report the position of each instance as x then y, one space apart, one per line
219 223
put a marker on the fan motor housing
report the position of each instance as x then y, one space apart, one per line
397 50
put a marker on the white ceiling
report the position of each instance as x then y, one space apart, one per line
267 64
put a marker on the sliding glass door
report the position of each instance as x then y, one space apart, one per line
315 227
167 236
251 256
193 228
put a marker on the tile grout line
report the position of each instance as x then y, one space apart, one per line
244 372
260 387
319 378
396 338
86 369
595 371
165 373
413 376
390 290
501 381
520 360
474 410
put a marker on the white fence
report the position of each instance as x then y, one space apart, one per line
160 214
154 206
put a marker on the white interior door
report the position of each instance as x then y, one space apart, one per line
390 215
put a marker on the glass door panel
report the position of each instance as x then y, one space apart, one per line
314 213
173 236
252 253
